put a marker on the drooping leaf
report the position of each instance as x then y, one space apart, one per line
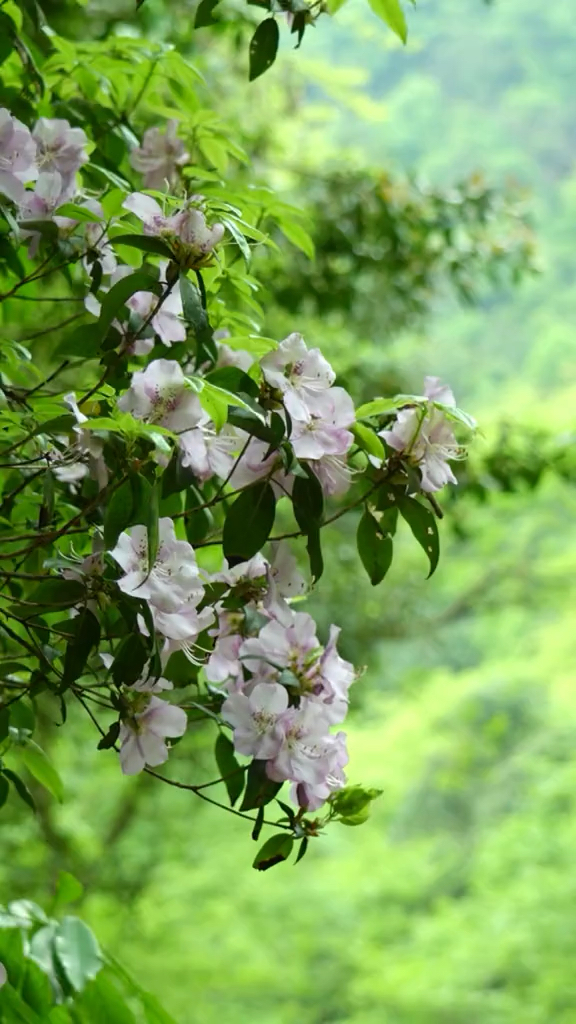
198 520
20 787
260 790
42 769
131 657
374 548
263 47
86 629
231 772
422 522
308 504
4 790
152 525
204 13
275 850
77 951
249 523
119 513
390 11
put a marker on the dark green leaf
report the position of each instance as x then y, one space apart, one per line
102 1002
119 293
86 636
131 657
146 243
7 33
249 523
231 772
77 952
46 513
107 742
233 379
20 787
4 790
374 549
152 525
193 308
47 228
260 790
302 850
14 1010
4 722
263 47
118 515
204 13
254 425
83 342
275 850
422 522
308 503
258 824
52 596
198 521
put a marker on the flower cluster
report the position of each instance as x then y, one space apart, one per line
283 690
423 436
186 231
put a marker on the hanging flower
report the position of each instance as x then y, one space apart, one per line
143 735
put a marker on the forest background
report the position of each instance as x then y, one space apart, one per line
454 902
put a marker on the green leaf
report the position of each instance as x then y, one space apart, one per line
422 522
233 380
4 790
14 1010
102 1002
391 12
118 515
86 630
353 804
260 790
77 951
368 440
53 595
204 13
296 234
80 213
374 549
47 228
252 424
119 294
131 657
275 850
249 523
197 521
308 504
231 772
146 243
42 769
22 790
4 719
302 850
263 47
109 739
68 889
381 406
193 310
238 237
457 415
152 525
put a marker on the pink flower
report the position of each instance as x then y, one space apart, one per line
186 231
333 473
160 394
423 435
313 795
159 156
325 431
40 204
181 628
232 356
208 452
255 718
306 751
174 577
17 156
143 735
292 645
300 374
60 148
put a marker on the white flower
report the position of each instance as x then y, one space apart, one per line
306 750
88 446
174 575
181 628
300 374
313 795
255 719
17 156
143 735
40 204
208 452
160 394
159 156
60 148
333 473
325 431
424 436
186 230
232 356
291 645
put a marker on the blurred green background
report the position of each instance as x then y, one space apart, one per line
454 903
